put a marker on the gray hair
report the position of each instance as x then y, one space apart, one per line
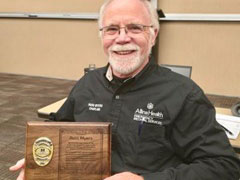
151 9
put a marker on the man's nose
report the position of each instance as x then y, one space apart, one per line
123 37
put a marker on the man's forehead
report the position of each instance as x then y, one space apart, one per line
133 11
113 21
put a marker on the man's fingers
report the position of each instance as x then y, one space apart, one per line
21 175
18 165
125 176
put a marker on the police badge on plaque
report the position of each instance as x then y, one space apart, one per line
60 150
42 151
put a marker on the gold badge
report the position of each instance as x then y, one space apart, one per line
42 151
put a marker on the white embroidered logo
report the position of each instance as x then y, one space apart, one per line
150 106
94 107
148 116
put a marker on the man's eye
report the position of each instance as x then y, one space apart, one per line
112 29
135 28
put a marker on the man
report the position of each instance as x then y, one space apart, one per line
163 125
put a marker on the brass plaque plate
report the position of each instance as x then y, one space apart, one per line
68 151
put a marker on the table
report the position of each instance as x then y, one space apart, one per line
236 142
51 108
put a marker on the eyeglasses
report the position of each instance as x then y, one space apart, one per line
113 31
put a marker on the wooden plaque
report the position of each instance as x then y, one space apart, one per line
68 151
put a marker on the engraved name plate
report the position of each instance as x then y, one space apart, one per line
68 151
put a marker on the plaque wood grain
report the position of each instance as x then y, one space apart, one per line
81 151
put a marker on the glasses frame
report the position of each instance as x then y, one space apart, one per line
125 29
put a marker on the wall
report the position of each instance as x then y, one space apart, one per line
212 49
62 48
200 6
53 6
52 48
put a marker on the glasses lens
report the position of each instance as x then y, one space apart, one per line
135 28
111 30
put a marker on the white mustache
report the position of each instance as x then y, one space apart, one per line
128 47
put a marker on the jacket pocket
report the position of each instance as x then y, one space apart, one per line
152 147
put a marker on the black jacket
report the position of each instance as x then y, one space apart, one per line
164 127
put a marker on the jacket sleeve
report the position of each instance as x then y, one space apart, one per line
201 143
66 111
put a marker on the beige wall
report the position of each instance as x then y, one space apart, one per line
212 49
52 6
54 48
200 6
62 48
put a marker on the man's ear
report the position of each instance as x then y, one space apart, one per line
155 36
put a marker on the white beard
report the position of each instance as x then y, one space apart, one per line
130 64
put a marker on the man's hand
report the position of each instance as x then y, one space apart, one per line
125 176
19 165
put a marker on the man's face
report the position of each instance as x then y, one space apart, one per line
127 52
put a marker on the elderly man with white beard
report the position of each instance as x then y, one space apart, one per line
164 127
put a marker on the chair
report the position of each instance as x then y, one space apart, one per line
183 70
